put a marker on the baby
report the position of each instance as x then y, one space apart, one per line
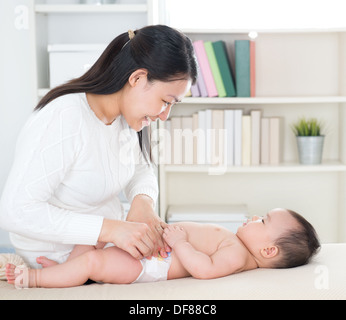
281 239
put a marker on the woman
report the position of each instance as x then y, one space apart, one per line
83 145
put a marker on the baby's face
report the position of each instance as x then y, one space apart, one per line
260 232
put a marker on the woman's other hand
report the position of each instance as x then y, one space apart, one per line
142 210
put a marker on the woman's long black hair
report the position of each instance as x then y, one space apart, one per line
166 53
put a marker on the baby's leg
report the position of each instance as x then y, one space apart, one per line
77 251
111 265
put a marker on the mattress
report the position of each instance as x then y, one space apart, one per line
324 278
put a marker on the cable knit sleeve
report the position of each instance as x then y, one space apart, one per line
144 180
46 150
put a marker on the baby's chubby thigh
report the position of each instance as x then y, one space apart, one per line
113 265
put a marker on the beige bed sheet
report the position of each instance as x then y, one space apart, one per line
324 278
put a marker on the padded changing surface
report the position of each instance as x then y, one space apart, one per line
324 278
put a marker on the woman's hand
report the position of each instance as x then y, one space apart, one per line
142 210
141 234
131 237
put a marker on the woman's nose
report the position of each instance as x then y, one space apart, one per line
165 114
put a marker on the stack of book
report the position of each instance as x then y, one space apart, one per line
216 78
222 137
229 216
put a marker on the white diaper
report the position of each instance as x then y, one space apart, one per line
155 269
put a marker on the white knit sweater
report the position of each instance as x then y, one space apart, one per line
68 171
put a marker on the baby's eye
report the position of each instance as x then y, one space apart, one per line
263 221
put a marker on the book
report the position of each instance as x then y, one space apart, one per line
208 131
204 66
238 114
195 90
177 140
255 137
166 158
265 141
228 216
201 137
195 126
201 84
215 69
217 137
274 136
246 140
242 67
224 67
187 140
252 68
229 137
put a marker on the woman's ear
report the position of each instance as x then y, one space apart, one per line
270 252
137 76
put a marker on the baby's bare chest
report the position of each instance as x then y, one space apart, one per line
207 238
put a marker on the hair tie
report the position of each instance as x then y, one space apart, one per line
131 34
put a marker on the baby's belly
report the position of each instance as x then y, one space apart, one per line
177 270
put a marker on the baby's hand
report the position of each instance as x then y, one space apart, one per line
174 234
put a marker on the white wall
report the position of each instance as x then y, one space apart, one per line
17 84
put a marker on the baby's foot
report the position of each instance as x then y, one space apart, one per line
21 277
45 262
10 273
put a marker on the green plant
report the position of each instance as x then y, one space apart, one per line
307 128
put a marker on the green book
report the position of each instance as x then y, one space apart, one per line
224 67
242 67
215 69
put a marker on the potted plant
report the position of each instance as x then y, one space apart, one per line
309 140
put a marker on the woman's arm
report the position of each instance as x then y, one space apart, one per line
46 151
142 193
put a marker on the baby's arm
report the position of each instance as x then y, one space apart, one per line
200 265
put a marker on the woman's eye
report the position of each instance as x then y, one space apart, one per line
167 104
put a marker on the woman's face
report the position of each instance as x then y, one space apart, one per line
146 101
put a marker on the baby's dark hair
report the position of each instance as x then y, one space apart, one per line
297 246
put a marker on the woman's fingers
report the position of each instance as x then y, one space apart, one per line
141 240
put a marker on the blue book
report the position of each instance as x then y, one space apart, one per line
242 68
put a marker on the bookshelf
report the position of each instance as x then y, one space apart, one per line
84 8
70 22
298 73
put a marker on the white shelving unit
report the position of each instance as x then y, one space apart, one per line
84 8
265 100
72 23
327 166
298 73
